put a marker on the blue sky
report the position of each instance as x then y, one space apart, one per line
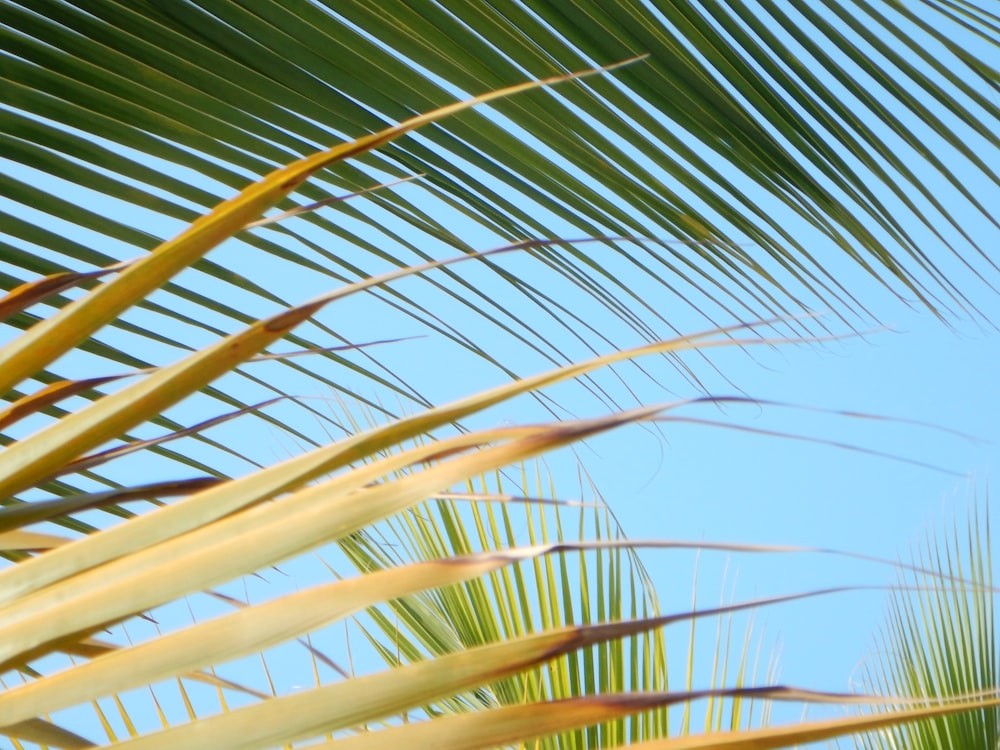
705 482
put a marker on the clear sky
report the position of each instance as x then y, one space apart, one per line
699 482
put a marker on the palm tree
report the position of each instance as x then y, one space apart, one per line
730 168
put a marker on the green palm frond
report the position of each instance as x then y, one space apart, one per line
739 109
555 591
939 639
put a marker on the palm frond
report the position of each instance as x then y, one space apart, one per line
126 124
939 639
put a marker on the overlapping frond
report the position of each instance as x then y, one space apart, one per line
126 124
